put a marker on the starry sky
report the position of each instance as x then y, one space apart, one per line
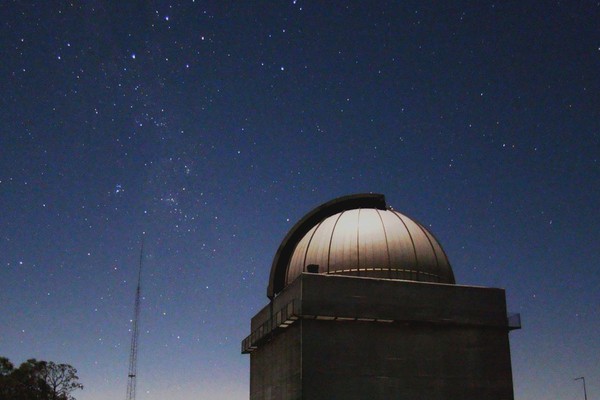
213 126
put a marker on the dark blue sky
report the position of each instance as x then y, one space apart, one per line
214 126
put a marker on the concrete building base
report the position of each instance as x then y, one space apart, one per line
339 337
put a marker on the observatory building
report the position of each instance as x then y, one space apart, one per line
364 305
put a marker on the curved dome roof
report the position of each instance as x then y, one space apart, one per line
359 236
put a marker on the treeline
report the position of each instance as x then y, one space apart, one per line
37 380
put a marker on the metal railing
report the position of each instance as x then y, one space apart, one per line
291 312
281 319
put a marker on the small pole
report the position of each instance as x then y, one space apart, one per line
582 378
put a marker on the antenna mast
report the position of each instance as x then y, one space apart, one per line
135 333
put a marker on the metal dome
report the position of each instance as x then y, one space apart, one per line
359 236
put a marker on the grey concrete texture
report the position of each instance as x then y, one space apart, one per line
425 341
367 360
398 300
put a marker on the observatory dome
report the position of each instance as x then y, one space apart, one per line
359 235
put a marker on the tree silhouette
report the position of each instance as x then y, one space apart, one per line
62 380
37 380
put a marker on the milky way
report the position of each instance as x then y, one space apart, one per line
214 126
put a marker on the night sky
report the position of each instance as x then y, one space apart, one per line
213 126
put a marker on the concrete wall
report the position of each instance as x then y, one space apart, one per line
290 293
346 296
275 369
368 360
430 341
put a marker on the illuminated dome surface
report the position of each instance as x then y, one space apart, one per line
359 236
